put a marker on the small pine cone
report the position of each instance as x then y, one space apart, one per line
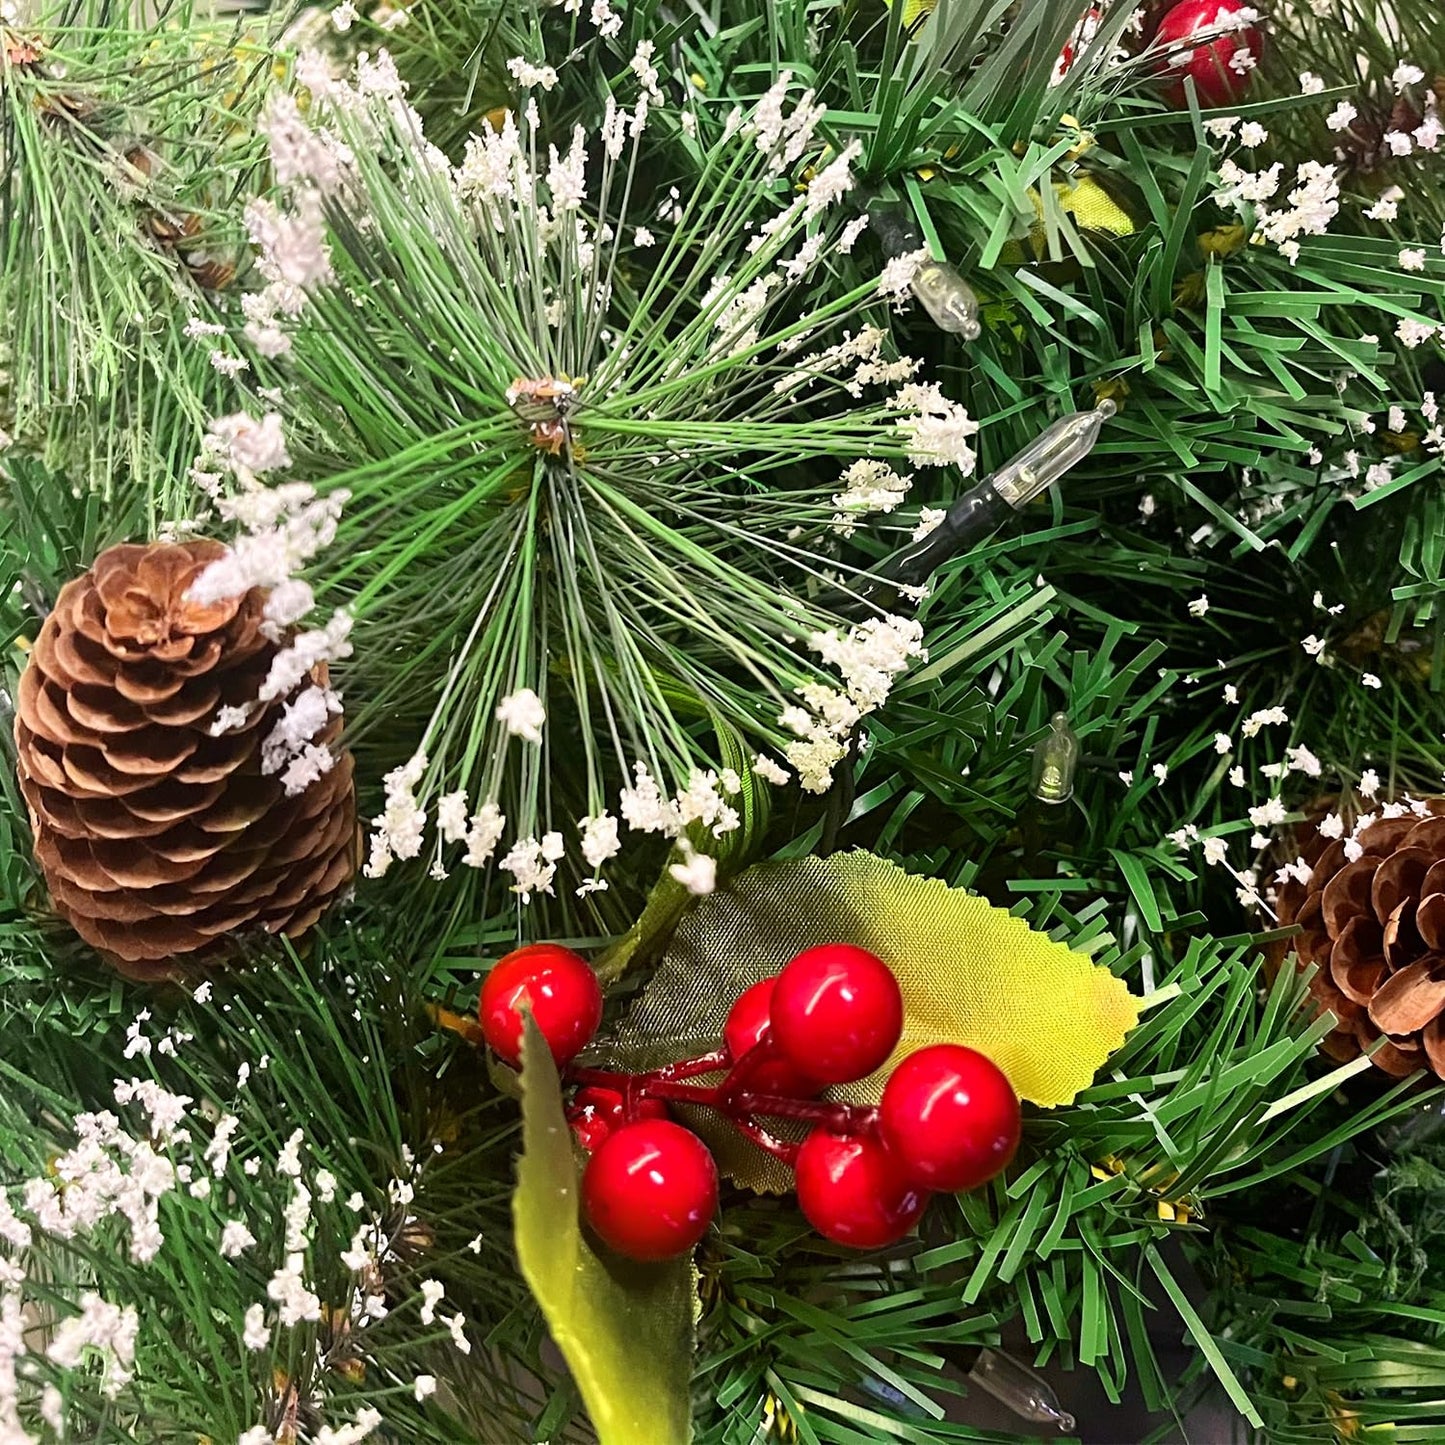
1375 929
156 839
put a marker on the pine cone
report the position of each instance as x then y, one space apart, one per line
1375 929
157 840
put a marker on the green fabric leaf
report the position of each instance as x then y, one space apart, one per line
625 1329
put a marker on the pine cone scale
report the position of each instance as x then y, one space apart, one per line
155 837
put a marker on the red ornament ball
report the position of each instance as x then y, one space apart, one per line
595 1111
650 1190
837 1012
949 1117
747 1026
1221 66
561 991
851 1191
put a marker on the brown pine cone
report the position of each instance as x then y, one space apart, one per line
1375 929
158 840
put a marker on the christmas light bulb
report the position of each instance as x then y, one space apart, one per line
1028 1395
1052 453
947 298
1056 759
983 508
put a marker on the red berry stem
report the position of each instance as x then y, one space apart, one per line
768 1143
738 1105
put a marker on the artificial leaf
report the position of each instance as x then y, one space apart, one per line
625 1329
970 973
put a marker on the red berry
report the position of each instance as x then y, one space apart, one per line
559 987
850 1190
595 1111
650 1190
837 1012
1217 81
746 1027
950 1117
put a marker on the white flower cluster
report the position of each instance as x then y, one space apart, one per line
869 658
938 435
284 528
868 487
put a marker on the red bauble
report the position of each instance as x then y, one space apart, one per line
837 1012
650 1190
850 1190
748 1022
949 1117
1219 65
558 986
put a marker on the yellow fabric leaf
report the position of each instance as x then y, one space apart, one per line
970 973
1091 206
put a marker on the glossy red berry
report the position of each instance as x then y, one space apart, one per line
1219 65
595 1111
950 1118
748 1023
561 990
837 1012
650 1190
851 1192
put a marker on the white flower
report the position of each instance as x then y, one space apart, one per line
452 816
1252 134
599 838
367 1420
1222 743
1415 333
896 280
522 714
424 1387
1199 606
1302 760
770 771
1236 777
833 182
287 1288
1400 142
1310 84
1369 782
697 872
1216 850
251 445
457 1325
1341 116
235 1239
644 808
643 238
1412 259
432 1291
1370 680
1264 717
529 864
344 16
1160 771
1405 75
929 518
1313 646
257 1434
1387 206
293 247
868 486
529 76
483 835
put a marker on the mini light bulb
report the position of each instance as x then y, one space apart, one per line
1028 1395
947 298
1056 759
1040 464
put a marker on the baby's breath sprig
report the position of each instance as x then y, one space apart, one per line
598 485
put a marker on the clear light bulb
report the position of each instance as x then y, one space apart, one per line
1056 759
1028 1395
947 298
1063 445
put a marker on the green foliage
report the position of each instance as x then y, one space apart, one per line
1214 1141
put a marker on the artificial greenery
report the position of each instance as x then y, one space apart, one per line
1255 395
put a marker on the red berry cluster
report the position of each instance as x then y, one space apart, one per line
948 1119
